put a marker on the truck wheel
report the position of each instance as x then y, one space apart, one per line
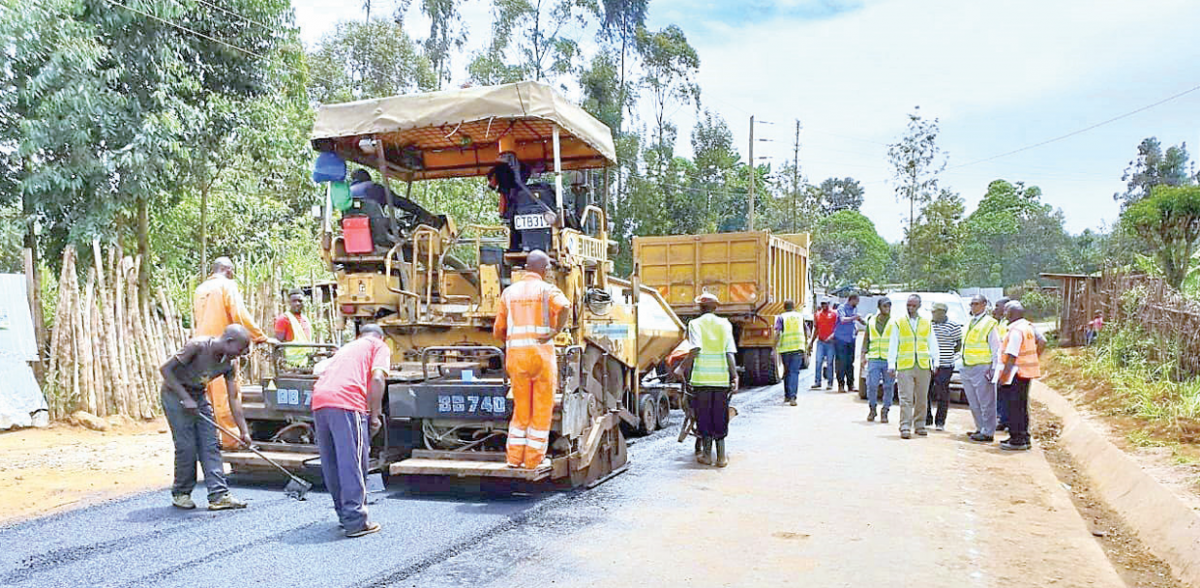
762 366
647 415
664 410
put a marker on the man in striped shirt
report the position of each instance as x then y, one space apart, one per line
949 339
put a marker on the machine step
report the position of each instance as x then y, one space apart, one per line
419 466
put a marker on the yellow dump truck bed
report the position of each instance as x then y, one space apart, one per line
751 272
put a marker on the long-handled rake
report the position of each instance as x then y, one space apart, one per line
296 488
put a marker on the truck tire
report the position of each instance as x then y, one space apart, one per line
762 366
647 415
664 410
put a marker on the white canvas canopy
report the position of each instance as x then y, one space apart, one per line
21 400
455 133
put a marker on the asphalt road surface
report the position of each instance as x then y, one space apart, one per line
813 496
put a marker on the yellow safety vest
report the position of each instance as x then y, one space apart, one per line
711 368
914 347
878 346
792 338
976 350
296 356
1003 326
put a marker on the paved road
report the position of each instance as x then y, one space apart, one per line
814 496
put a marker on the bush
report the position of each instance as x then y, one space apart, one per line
1038 303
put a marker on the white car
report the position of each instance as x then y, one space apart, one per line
956 312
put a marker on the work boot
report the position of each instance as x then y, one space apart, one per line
905 434
792 402
829 386
841 388
871 415
705 457
816 386
883 416
366 530
721 460
182 501
225 502
699 448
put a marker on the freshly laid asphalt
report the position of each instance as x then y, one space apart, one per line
582 538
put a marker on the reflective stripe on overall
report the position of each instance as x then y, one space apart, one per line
878 347
711 368
914 347
792 337
976 350
532 370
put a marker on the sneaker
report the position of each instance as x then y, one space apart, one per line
905 435
225 502
816 386
1010 446
940 427
981 438
829 386
367 530
922 432
1001 427
971 433
792 402
871 415
182 501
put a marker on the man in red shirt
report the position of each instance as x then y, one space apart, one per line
292 327
826 320
347 406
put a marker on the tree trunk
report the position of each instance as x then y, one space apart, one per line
143 211
204 186
33 259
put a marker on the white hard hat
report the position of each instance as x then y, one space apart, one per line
707 296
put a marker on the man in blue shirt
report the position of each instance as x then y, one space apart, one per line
843 343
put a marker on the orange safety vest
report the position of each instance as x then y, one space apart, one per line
1028 366
527 303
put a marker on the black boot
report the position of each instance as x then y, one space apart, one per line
883 416
705 457
871 415
721 461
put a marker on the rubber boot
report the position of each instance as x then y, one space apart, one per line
705 457
699 448
721 461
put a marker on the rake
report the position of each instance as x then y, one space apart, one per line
296 488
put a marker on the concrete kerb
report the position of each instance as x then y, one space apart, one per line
1164 522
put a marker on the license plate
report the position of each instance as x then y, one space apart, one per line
525 222
472 405
288 395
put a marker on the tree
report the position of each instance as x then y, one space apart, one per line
537 32
936 244
838 194
1153 167
372 59
622 20
671 65
446 33
847 247
916 161
1169 222
1012 236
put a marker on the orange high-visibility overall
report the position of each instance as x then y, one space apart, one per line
216 305
524 320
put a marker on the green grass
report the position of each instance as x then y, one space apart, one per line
1143 373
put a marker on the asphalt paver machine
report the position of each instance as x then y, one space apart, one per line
434 288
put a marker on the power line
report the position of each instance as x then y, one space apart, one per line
1083 130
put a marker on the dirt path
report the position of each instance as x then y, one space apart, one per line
48 470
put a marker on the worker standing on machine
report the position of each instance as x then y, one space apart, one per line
530 316
713 376
292 327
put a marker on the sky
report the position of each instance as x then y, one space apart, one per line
999 75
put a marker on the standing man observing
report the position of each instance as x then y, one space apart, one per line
875 359
998 313
790 327
216 305
825 321
1021 366
185 376
530 316
911 350
293 327
712 367
981 353
844 335
347 405
949 339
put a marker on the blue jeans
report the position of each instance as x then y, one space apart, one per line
822 355
195 442
844 362
791 373
877 372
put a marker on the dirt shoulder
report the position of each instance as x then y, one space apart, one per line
43 471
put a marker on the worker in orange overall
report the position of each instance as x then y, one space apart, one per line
216 305
530 315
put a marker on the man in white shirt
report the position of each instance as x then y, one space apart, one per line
911 353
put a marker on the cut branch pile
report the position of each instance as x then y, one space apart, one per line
107 344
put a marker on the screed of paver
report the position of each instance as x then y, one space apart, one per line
816 496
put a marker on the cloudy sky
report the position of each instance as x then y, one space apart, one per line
999 76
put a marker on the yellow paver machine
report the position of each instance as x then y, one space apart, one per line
434 286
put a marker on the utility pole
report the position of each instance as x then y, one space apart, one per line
795 175
751 222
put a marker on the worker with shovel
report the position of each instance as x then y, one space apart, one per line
713 377
190 415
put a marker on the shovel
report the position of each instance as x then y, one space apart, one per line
296 487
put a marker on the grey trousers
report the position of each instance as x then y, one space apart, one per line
914 397
981 396
195 441
344 444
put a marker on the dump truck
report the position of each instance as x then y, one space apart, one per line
752 273
434 287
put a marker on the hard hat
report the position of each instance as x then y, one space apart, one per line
707 297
